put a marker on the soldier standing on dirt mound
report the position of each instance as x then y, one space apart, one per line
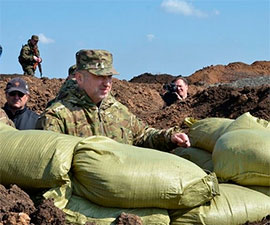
29 57
87 108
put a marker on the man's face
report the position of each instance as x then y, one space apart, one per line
182 88
34 42
96 87
16 100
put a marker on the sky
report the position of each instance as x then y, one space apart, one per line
176 37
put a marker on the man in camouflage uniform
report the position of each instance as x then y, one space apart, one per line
65 86
29 57
4 118
87 108
71 72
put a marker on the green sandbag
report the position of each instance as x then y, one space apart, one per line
198 156
247 121
204 133
235 205
34 158
243 156
112 174
79 211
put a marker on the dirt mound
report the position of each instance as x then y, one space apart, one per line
215 91
17 208
231 72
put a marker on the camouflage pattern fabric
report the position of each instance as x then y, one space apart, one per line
63 92
26 58
74 113
4 118
97 62
71 72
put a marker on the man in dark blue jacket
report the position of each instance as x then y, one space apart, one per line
17 95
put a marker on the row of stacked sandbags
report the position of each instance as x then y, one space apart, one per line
95 179
238 151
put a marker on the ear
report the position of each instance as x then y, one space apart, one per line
79 78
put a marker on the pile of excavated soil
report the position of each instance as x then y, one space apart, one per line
215 91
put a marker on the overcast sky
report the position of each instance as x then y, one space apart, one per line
176 37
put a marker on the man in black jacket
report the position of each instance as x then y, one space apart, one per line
17 95
177 91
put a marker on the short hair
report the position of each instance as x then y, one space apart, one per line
180 78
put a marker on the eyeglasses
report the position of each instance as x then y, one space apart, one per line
14 93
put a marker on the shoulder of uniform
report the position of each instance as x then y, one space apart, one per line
26 45
56 107
117 104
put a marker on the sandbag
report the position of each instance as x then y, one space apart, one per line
80 211
235 205
204 133
247 121
198 156
112 174
243 156
34 158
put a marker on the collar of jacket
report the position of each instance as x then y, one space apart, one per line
10 114
77 96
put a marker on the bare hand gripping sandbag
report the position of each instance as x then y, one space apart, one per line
112 174
34 158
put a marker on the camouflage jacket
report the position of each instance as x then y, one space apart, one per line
27 53
73 112
4 118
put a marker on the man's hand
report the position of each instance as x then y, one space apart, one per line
37 59
181 139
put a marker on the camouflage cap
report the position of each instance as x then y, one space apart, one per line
97 62
34 37
71 70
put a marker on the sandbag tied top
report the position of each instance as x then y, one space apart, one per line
34 158
112 174
205 132
235 205
243 156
